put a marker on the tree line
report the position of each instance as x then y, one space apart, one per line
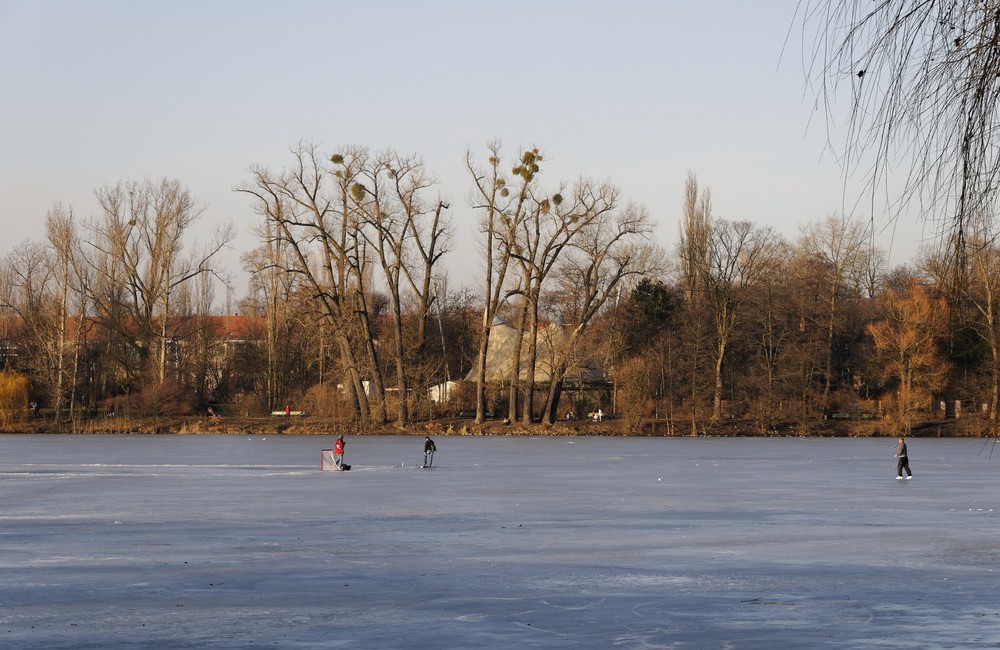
350 313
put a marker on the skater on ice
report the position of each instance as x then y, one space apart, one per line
902 461
429 449
338 452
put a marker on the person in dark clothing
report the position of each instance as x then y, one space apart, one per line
429 449
902 461
338 451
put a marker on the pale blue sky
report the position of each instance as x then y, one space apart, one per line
638 92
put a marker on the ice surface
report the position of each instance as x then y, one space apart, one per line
240 541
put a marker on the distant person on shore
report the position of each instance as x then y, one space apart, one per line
338 451
902 461
288 410
429 449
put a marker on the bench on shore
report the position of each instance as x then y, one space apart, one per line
290 413
472 414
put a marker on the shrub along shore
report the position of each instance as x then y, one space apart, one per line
944 428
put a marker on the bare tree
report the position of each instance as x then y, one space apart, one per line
309 211
142 229
117 364
61 231
82 289
431 240
549 228
839 253
603 255
29 295
342 221
695 230
774 326
272 288
739 254
205 370
503 206
921 78
982 292
389 194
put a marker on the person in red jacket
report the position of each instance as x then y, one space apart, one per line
338 452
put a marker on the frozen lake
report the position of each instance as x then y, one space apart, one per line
237 541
